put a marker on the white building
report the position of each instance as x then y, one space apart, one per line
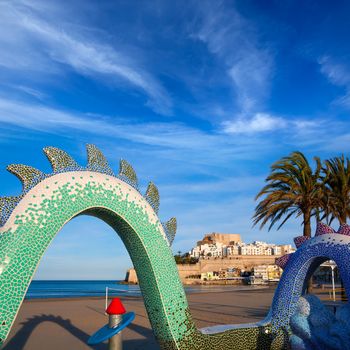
210 250
231 250
268 251
277 250
251 249
213 248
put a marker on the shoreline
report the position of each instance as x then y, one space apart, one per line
125 295
189 290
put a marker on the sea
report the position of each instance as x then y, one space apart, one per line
39 289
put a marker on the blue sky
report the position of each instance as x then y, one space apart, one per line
200 96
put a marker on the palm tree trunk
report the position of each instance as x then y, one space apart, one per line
307 224
307 233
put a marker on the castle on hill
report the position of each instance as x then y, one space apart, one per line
224 238
223 245
225 256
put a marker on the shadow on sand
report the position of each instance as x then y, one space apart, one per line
19 340
21 337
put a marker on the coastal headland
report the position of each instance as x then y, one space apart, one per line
217 253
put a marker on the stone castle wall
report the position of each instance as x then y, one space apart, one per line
245 262
224 238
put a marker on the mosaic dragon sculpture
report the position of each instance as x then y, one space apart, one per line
30 221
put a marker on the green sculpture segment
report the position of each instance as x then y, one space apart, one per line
30 222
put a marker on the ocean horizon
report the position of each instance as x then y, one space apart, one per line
42 289
45 289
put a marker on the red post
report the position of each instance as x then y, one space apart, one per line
115 311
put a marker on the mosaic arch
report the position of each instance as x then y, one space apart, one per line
30 221
298 267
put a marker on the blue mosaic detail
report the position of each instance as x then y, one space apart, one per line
61 161
97 161
23 245
128 174
300 268
170 228
152 196
7 205
314 326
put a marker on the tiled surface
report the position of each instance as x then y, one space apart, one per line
49 201
301 265
31 221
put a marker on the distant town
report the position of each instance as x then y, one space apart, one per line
223 258
227 245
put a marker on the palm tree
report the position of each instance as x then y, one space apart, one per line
292 189
337 193
337 189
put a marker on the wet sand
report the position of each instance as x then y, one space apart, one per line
68 323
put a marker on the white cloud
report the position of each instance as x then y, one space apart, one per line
37 45
260 122
30 91
168 135
190 147
307 125
301 132
338 74
344 100
171 139
168 138
233 40
250 75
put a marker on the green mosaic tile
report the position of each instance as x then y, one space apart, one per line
57 198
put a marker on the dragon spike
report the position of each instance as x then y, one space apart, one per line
170 229
298 241
60 160
97 161
127 173
152 196
283 260
28 175
7 204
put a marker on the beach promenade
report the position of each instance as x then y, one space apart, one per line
58 324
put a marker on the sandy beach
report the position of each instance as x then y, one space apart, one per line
58 324
68 323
